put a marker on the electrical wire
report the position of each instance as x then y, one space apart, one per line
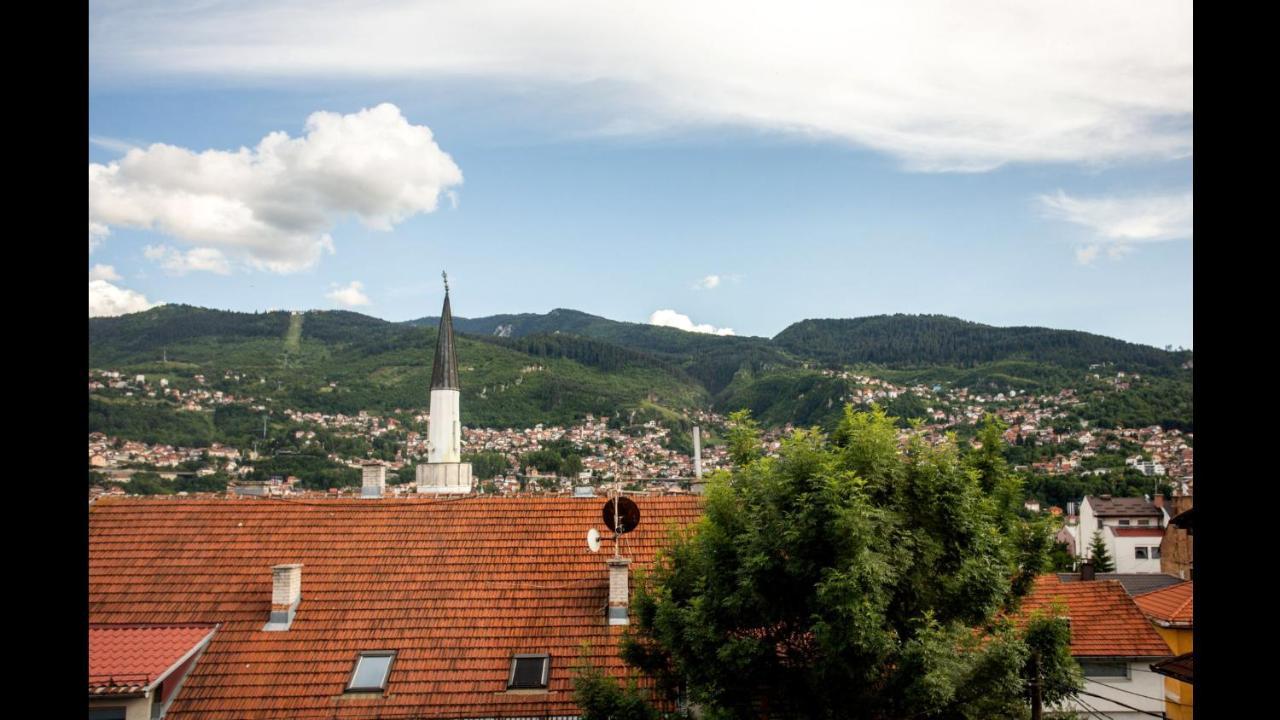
1092 710
1146 697
1117 702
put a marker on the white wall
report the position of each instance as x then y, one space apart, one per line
1141 682
1122 553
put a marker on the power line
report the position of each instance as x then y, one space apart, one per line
1092 710
1147 697
1117 702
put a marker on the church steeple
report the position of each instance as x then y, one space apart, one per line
444 371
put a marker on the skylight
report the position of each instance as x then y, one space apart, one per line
529 672
370 673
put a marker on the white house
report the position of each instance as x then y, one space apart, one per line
1130 527
1114 644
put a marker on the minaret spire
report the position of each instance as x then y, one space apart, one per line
444 371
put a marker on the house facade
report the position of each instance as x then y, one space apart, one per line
1131 528
1113 642
1171 611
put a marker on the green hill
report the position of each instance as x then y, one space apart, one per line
519 370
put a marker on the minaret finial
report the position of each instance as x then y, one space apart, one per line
445 275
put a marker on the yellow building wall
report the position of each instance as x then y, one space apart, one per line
1177 694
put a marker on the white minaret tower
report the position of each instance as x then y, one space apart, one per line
444 471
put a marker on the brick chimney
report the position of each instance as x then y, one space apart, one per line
619 591
1086 570
286 593
1158 501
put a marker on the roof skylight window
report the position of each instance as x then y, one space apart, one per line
370 673
529 672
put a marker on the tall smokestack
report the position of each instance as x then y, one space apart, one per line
697 452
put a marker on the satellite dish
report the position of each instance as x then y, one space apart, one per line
593 540
626 511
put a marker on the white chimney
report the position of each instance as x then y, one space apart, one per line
619 591
286 593
374 480
697 452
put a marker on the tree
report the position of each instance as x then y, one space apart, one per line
840 580
1098 552
743 438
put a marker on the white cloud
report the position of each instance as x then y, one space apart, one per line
709 282
1119 222
671 318
271 207
177 262
107 300
103 272
350 296
97 233
939 84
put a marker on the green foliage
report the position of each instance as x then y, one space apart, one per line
908 340
216 482
600 697
743 438
488 465
146 483
150 422
840 579
313 469
1102 561
1049 661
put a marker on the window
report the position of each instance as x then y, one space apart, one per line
1140 553
1102 668
529 672
371 670
1155 552
1124 522
111 713
1144 522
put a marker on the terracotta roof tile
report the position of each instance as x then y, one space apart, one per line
1122 506
454 586
126 659
1105 621
1171 606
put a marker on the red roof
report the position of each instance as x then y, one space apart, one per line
454 586
1105 621
1169 606
127 659
1136 531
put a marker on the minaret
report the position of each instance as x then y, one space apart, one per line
444 471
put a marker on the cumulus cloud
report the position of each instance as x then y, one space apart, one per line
1116 223
709 282
351 295
177 262
939 84
103 272
671 318
97 233
108 300
272 206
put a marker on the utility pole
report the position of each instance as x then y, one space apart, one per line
1036 710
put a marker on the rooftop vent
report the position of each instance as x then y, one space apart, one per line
286 593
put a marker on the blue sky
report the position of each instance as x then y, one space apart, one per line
620 189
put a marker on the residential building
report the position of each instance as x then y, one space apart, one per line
394 607
135 671
1172 611
1176 556
1131 528
1113 642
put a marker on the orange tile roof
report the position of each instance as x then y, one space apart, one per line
454 586
1171 606
127 659
1105 621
